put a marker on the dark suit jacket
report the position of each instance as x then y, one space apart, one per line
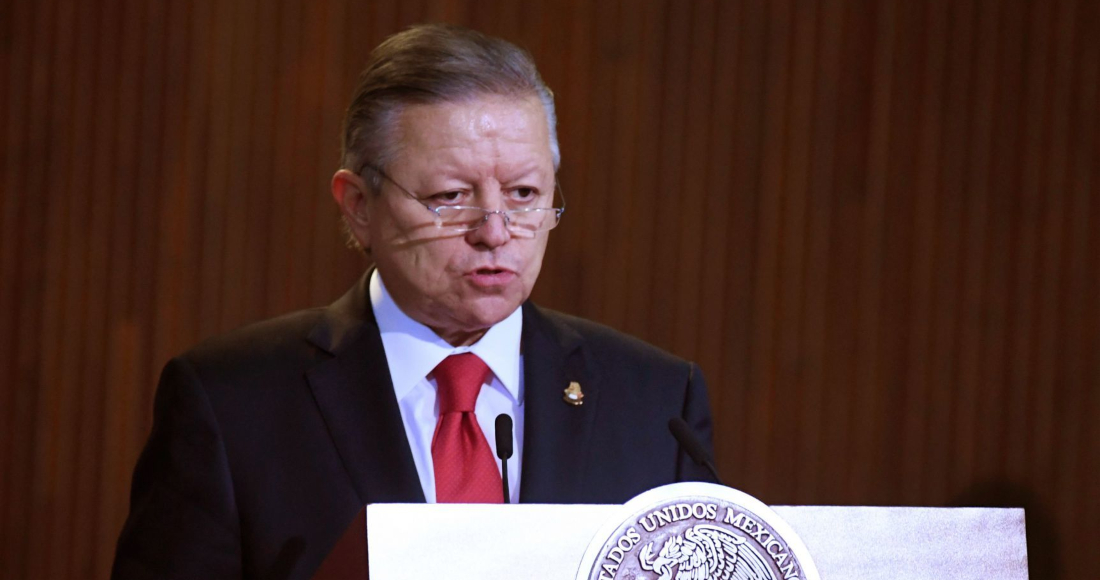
266 442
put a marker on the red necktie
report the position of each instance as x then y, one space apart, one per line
465 470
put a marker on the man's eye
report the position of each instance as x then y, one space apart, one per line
525 193
447 197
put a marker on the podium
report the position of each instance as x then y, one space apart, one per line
548 542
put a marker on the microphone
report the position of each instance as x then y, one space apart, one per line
504 450
691 445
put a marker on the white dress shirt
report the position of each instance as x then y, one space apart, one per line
413 350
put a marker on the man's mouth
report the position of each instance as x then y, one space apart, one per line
490 277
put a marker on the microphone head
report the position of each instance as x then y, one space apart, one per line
688 441
504 436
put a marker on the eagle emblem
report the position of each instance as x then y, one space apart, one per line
706 552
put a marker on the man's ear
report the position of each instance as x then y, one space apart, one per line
352 196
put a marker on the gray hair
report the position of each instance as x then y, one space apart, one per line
434 63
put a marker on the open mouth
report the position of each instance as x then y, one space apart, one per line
491 277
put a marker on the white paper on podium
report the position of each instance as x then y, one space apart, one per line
490 542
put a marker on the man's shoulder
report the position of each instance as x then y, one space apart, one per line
609 343
274 344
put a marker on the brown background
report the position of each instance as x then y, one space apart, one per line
874 224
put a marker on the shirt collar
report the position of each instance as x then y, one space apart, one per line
413 350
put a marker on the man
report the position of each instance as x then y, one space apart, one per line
267 441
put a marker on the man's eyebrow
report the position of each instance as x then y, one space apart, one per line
525 172
446 171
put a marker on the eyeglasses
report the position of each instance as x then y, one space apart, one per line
522 222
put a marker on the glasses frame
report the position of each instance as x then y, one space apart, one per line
505 214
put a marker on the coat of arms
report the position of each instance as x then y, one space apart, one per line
704 552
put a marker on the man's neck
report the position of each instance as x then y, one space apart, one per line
460 338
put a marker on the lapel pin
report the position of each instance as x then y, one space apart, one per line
573 394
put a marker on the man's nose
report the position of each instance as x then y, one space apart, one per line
492 233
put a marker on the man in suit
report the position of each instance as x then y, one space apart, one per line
267 441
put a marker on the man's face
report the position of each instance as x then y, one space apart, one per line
489 152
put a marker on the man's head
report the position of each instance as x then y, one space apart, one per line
429 64
449 117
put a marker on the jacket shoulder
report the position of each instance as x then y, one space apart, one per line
613 345
272 345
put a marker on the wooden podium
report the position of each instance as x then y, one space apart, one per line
547 541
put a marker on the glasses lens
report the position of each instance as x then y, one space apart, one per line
521 222
533 220
459 218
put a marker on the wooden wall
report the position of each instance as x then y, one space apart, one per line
874 223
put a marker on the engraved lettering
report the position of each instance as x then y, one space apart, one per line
706 525
634 536
769 547
760 531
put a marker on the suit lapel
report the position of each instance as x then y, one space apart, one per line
355 394
556 434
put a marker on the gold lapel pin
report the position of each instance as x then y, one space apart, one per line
573 394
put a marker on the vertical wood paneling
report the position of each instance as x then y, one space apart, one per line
867 389
242 96
87 382
255 180
765 264
989 270
51 407
691 254
638 162
790 372
947 268
914 449
972 315
1081 307
617 178
1021 371
1004 189
875 225
898 207
25 263
719 199
812 410
742 157
671 121
1051 329
597 77
285 137
213 155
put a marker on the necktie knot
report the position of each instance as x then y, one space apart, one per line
458 381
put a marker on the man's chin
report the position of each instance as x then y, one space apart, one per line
487 311
472 326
